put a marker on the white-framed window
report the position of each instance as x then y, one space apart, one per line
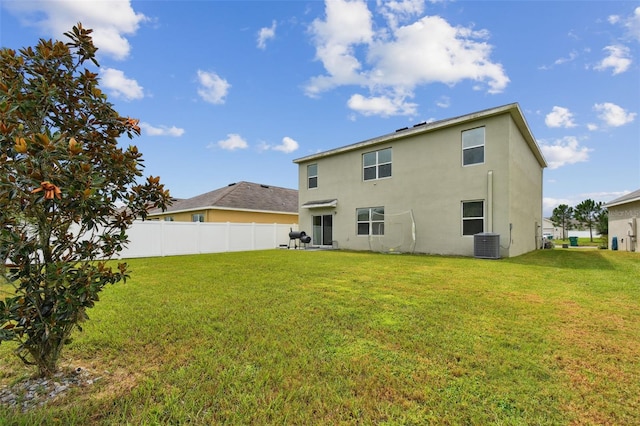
370 221
312 176
473 146
197 217
168 218
472 217
376 164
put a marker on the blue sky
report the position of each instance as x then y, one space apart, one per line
235 90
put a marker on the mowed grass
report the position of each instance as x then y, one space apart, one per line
331 337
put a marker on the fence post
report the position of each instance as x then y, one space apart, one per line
253 235
275 235
163 238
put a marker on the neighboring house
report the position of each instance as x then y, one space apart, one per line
549 229
241 202
451 179
623 221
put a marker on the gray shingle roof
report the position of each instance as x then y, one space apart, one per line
632 196
242 196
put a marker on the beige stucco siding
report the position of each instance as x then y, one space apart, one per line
525 197
428 178
624 221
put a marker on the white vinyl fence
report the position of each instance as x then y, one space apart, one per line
160 238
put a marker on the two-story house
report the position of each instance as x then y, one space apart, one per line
429 188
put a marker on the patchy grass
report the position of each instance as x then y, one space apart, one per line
296 337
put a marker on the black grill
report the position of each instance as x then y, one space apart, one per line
298 235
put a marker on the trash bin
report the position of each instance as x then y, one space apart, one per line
573 241
614 243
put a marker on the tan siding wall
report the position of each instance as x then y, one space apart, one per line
619 218
428 178
525 197
235 217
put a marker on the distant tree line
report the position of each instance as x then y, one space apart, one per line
589 214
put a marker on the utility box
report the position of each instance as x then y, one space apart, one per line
486 245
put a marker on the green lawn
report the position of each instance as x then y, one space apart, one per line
331 337
583 242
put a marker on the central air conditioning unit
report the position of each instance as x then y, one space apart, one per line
486 245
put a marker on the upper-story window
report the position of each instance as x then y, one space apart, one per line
312 176
473 146
377 164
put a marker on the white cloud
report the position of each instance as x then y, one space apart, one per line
287 146
393 61
572 56
592 127
614 115
266 33
111 20
619 59
381 105
548 204
347 25
233 142
119 85
604 196
213 88
633 24
564 151
400 11
150 130
444 102
559 117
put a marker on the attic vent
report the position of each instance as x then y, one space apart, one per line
486 245
420 124
404 128
231 184
265 186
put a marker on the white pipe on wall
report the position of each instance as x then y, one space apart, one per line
490 201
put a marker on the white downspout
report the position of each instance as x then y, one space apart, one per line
490 201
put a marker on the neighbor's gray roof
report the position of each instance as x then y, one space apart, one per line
630 197
513 109
240 196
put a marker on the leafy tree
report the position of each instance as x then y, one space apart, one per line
562 216
587 213
602 226
68 193
602 222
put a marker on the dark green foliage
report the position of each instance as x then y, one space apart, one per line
588 213
61 174
562 216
